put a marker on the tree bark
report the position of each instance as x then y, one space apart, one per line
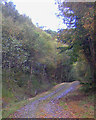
29 81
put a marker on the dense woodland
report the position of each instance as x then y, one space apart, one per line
33 60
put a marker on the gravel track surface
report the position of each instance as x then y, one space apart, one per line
32 110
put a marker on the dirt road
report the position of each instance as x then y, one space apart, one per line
46 104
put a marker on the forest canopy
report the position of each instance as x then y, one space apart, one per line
80 35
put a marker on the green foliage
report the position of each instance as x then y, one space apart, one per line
34 59
28 55
7 93
63 104
79 35
52 33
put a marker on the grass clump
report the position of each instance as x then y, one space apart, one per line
63 104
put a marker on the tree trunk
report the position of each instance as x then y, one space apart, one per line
9 74
29 81
92 63
44 73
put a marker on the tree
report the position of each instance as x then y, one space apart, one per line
80 17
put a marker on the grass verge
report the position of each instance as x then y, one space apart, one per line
12 107
80 104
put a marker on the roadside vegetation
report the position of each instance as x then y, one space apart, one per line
80 104
35 60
